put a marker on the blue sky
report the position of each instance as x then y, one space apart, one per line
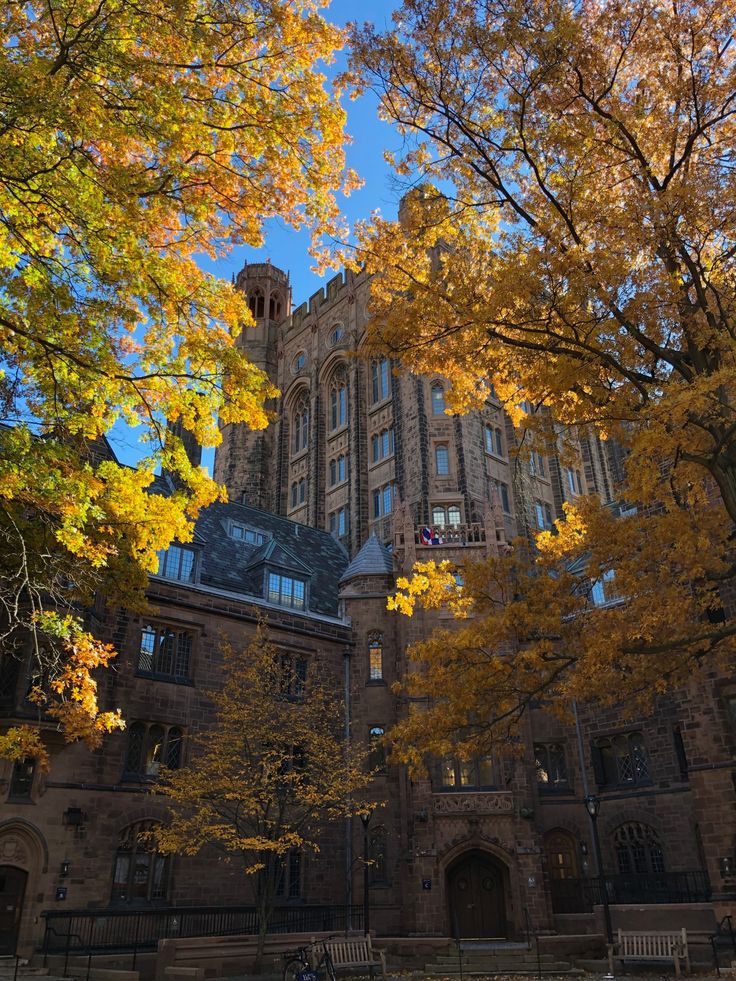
287 248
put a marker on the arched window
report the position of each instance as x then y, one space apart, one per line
336 335
140 873
489 438
257 303
380 380
151 745
299 362
339 401
499 441
620 760
378 855
382 444
453 516
376 748
300 424
638 849
442 460
375 657
438 400
274 306
438 516
338 469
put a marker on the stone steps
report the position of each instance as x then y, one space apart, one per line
480 959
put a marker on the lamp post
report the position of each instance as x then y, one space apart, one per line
365 819
593 806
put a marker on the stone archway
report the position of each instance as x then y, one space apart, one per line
23 859
476 892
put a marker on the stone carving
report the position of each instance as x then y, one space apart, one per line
464 804
12 849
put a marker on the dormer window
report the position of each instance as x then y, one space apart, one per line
286 591
242 534
177 563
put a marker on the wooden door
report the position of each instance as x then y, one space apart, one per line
477 902
12 887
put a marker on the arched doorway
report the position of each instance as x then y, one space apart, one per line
12 889
477 896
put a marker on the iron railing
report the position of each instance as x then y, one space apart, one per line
115 930
581 895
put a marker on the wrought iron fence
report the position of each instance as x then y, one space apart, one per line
580 895
112 930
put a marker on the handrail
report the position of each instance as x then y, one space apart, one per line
720 933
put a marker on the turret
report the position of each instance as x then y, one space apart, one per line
244 460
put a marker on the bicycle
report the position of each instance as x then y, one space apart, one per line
298 967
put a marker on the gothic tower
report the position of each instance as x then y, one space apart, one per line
244 461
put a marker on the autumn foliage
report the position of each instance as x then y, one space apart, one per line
135 137
572 244
272 773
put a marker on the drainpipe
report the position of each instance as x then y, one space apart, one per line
347 653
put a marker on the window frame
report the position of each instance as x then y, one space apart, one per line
461 769
133 833
437 399
177 554
543 755
282 579
610 761
148 765
376 673
380 380
442 459
182 652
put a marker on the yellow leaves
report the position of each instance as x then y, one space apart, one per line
272 769
434 585
21 742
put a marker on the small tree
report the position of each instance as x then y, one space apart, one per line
270 774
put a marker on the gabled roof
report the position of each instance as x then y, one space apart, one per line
276 554
229 563
373 559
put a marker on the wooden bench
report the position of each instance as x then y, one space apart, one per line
356 952
651 945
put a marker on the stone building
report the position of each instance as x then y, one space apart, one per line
362 474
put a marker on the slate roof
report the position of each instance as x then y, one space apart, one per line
238 566
373 559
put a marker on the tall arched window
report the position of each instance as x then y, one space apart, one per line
378 855
438 399
274 306
375 657
339 400
638 849
140 873
300 424
376 748
380 380
442 460
257 303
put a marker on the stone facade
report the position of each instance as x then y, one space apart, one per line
487 849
